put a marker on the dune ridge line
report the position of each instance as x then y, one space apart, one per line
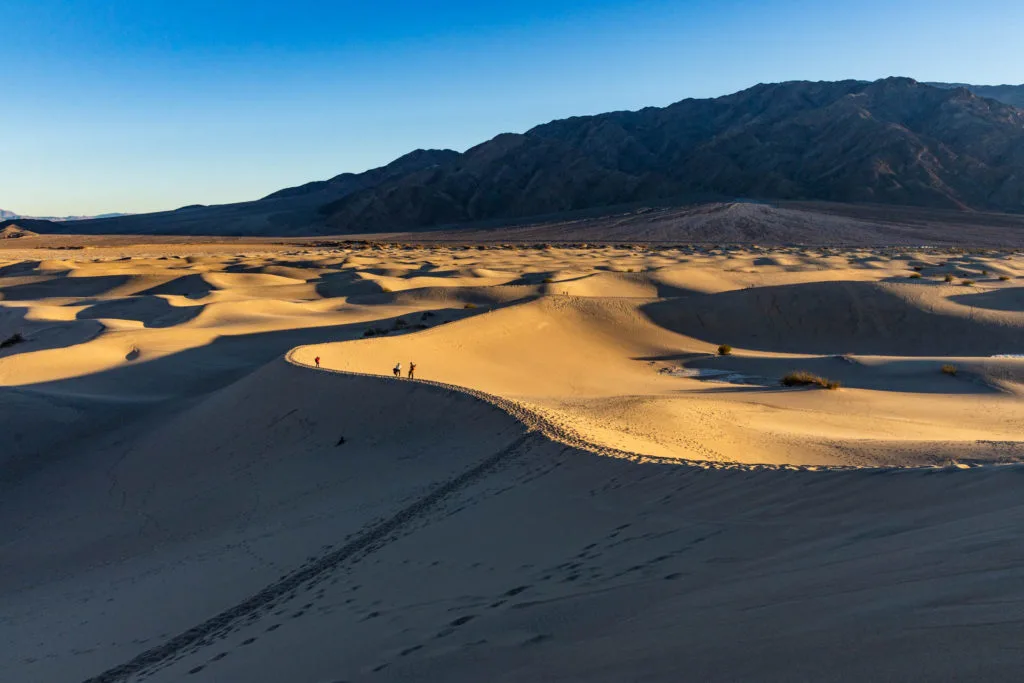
535 420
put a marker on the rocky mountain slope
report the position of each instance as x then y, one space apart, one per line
893 141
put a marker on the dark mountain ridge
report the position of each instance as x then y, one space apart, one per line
893 141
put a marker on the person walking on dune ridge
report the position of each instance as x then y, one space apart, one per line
412 370
398 369
317 361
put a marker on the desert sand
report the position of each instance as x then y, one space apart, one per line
577 486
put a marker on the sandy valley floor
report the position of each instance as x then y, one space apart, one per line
579 489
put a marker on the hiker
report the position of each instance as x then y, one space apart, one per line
398 369
412 369
317 361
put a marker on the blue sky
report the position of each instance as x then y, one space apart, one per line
140 105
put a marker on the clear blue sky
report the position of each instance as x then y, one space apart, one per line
140 105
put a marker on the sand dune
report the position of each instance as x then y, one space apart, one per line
578 487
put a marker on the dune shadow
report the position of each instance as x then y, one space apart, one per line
666 291
345 283
36 335
535 278
151 311
193 286
60 287
490 297
827 318
904 375
21 268
1009 299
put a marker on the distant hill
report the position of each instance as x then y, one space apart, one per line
26 227
9 232
893 141
291 211
1008 94
11 215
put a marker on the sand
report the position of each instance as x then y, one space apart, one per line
577 487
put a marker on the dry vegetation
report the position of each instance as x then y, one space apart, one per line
802 378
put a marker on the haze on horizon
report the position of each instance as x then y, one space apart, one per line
117 107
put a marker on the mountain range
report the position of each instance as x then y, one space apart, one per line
6 215
894 141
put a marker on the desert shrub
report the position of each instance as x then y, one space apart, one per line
919 268
1004 278
724 350
802 378
949 277
547 281
984 273
967 283
915 276
470 305
949 369
15 338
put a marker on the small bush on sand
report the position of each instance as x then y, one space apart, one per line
949 369
15 338
1004 278
547 281
802 378
949 277
470 305
967 283
919 268
915 276
724 350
